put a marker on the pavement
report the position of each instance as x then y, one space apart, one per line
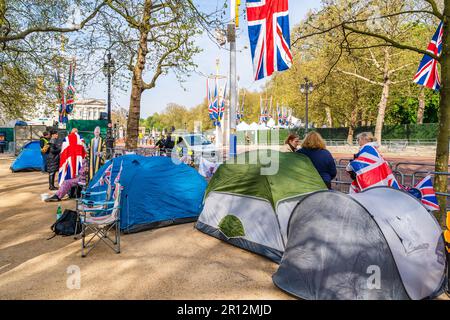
177 262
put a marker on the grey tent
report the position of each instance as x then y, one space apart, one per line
379 244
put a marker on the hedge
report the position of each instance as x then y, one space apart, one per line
408 132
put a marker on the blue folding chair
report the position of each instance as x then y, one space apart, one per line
99 214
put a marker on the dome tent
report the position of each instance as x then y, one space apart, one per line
379 244
248 205
29 159
156 192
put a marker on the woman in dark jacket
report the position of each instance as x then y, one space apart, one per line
314 147
53 159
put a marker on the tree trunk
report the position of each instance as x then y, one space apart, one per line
442 151
137 84
329 117
421 110
384 97
351 127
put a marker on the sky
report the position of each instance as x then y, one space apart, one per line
193 91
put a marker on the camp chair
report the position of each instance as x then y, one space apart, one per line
100 217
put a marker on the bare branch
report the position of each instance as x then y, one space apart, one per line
25 33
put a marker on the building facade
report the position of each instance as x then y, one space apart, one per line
88 109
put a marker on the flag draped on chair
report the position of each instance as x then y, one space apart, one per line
428 73
371 170
71 158
106 177
117 181
270 42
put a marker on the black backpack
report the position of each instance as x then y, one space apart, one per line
67 225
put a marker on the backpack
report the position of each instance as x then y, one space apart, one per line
66 224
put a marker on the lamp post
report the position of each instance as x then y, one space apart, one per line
307 88
108 71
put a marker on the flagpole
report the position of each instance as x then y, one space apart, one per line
231 125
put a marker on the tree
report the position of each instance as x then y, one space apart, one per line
20 19
157 37
31 44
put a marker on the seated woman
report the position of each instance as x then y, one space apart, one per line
67 185
314 147
291 143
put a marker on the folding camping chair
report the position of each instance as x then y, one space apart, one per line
100 216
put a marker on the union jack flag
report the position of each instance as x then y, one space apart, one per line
270 40
106 177
428 73
424 191
117 178
264 115
70 91
213 105
280 116
371 170
117 181
222 103
71 158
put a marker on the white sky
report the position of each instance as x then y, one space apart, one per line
168 90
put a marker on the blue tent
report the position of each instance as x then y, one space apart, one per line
29 159
156 192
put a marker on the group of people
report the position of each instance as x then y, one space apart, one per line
165 143
51 147
314 147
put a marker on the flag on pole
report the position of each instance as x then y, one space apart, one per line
222 103
210 103
70 91
428 73
269 33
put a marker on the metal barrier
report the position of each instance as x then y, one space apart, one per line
423 174
146 152
399 164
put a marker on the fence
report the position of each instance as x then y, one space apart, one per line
406 177
25 134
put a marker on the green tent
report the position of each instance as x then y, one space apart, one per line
250 199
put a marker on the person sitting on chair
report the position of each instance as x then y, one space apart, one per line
67 185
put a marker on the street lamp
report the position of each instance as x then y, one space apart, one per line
306 88
108 71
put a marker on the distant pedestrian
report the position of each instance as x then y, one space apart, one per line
53 159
